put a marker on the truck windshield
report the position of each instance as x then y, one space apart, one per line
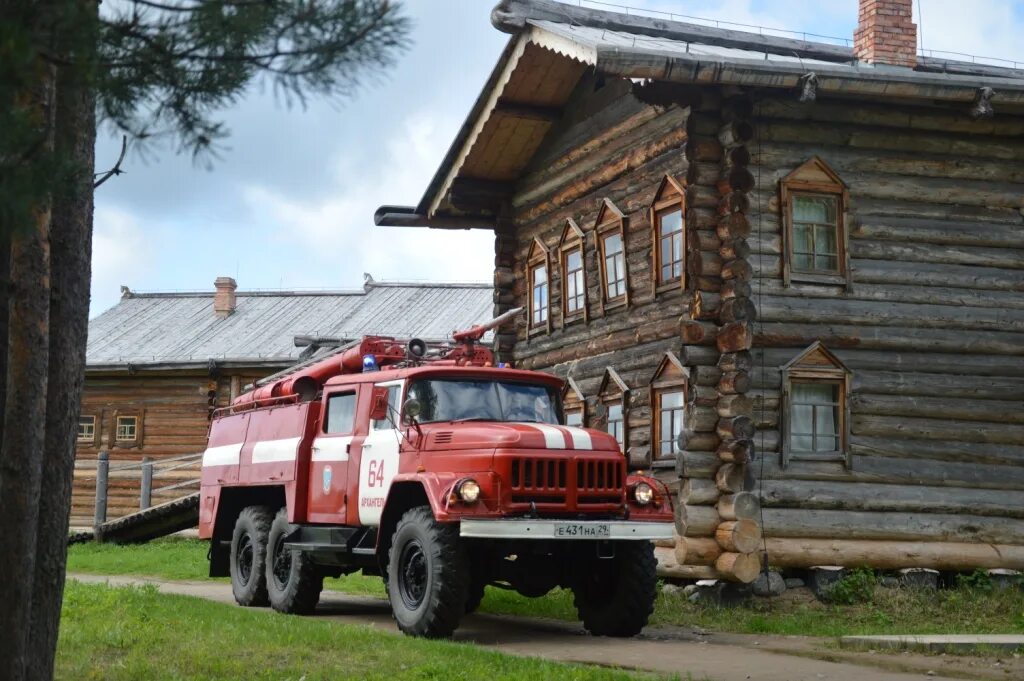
482 400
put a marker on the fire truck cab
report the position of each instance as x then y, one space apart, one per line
437 471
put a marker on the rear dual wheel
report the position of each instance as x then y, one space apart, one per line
263 572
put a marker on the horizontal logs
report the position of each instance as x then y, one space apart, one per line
737 309
705 375
736 361
736 451
732 249
697 332
739 506
699 492
733 225
736 269
734 202
892 555
736 179
868 496
729 406
702 419
731 478
735 428
735 133
733 382
698 551
743 567
701 521
735 337
734 288
740 536
892 525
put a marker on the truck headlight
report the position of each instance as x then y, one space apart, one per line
643 493
468 491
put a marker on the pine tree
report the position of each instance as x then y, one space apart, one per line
151 69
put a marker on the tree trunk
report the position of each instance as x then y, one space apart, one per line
21 452
70 257
5 290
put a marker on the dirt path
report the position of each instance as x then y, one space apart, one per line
721 657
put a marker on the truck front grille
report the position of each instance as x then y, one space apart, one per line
559 481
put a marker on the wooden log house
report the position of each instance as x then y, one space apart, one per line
158 364
787 275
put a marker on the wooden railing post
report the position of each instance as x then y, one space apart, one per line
146 494
102 471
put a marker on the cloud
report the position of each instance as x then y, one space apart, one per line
337 229
120 253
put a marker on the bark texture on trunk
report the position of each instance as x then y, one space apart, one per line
25 413
71 255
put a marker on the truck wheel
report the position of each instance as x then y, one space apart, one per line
474 595
428 575
249 555
616 597
293 582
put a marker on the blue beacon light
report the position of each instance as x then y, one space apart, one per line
369 363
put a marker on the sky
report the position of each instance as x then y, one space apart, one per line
290 202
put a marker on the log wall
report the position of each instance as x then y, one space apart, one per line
932 328
174 413
931 324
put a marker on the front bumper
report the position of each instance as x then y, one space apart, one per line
565 529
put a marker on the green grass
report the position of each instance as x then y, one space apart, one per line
965 610
137 633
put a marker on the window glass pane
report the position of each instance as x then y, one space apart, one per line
814 417
574 418
86 427
126 428
671 221
341 413
802 443
814 393
539 309
825 240
672 400
802 419
612 244
573 260
821 209
825 421
615 425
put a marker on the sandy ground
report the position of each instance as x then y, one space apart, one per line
720 657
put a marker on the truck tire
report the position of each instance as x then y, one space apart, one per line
428 575
615 597
293 581
249 555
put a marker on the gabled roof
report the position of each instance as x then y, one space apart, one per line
181 330
554 44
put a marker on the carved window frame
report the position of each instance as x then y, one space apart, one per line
818 365
614 391
573 401
610 222
815 178
671 195
669 378
538 256
573 239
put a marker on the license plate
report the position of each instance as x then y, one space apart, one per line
584 530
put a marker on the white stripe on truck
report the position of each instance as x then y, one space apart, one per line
223 455
580 438
554 438
269 451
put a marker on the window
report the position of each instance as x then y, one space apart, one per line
616 423
87 429
478 399
814 417
614 266
539 268
127 429
815 248
613 396
669 234
574 404
341 414
813 204
574 275
816 387
387 424
671 407
539 300
668 406
611 237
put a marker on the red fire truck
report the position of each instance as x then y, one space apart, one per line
440 472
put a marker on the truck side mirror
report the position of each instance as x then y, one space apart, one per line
411 410
379 404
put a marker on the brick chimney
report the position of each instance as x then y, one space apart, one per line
886 33
224 298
